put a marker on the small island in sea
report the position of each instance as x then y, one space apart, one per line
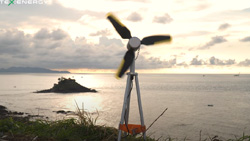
67 86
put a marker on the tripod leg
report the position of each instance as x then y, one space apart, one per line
125 105
139 103
128 106
128 100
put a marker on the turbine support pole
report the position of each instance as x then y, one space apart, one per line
131 128
132 67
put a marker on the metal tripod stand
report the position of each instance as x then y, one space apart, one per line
131 128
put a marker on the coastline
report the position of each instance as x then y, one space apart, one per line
20 116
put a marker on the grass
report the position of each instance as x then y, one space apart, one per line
68 129
82 128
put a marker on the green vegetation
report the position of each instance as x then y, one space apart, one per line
83 128
69 129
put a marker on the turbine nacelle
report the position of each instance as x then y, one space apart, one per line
134 43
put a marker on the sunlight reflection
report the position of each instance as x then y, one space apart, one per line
89 103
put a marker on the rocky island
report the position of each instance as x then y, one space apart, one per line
67 86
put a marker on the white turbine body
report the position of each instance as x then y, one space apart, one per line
134 43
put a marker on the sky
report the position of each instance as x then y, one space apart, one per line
209 36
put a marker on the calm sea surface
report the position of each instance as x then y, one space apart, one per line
186 96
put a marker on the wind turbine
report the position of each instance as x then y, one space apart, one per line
128 61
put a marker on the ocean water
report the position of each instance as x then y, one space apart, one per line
186 96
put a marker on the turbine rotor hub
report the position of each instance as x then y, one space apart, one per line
134 43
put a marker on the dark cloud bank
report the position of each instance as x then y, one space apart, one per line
56 50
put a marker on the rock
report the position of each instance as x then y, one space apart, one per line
2 107
63 112
67 86
17 113
3 111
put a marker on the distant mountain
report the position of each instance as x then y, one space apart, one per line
30 70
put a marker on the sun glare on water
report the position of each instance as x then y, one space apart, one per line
87 102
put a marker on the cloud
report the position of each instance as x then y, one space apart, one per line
134 17
104 32
44 33
182 64
163 19
58 34
54 11
212 61
17 15
215 40
246 10
154 62
193 33
109 42
13 41
216 61
201 7
227 15
246 62
224 26
246 39
188 6
55 49
195 61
